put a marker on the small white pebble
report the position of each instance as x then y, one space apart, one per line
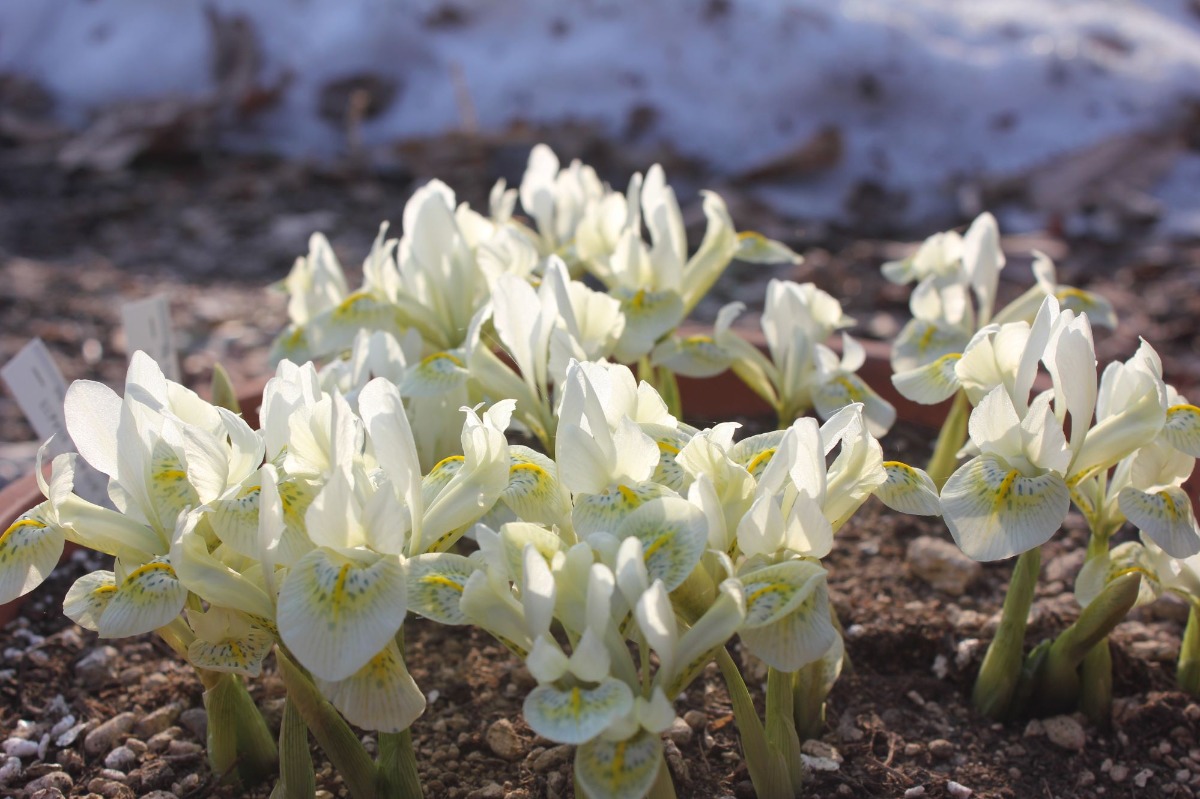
64 724
20 747
43 746
433 696
10 771
965 651
1142 777
941 667
68 737
957 790
855 631
912 793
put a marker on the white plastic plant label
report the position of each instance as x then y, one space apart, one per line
40 390
148 328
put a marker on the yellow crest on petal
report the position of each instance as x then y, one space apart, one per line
1166 516
604 512
170 490
1182 429
619 769
669 440
909 490
674 535
754 453
241 655
335 614
534 492
88 597
931 383
434 375
380 696
150 597
29 551
435 585
576 714
774 591
994 511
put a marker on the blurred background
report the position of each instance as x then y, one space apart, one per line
190 148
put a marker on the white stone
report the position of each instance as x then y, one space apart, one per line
942 565
1065 732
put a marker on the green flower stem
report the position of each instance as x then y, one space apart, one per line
1096 682
808 700
1057 683
223 393
397 762
996 685
1188 672
239 743
296 777
664 382
332 732
781 723
768 771
668 388
950 440
398 766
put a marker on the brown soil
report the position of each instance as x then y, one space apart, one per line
212 233
895 722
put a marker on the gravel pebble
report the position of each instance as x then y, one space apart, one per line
155 774
941 749
62 725
696 719
10 771
157 721
493 790
1065 732
67 738
20 747
552 758
55 779
98 667
942 565
957 790
680 732
503 740
195 721
121 759
111 789
47 793
184 748
104 738
1142 777
160 742
1118 773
